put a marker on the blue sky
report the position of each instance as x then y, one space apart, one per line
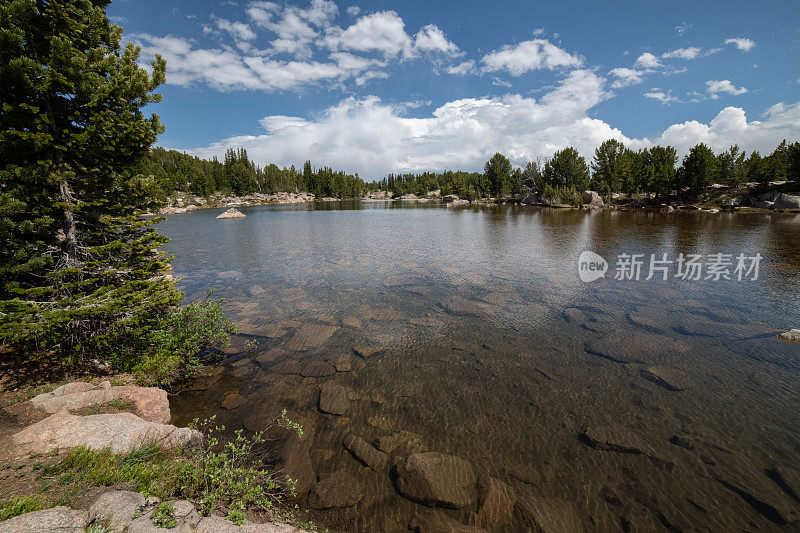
380 87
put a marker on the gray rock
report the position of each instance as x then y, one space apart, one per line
122 432
763 204
365 452
335 491
53 520
118 508
151 403
591 198
232 213
436 479
787 201
792 336
333 399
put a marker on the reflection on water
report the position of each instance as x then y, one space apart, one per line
615 405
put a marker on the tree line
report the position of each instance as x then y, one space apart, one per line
175 171
615 168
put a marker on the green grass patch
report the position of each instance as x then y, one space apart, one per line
26 504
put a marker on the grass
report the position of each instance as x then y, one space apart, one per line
26 504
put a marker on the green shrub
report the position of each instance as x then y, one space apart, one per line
186 334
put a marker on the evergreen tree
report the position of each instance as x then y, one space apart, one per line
698 170
79 271
567 169
497 172
609 166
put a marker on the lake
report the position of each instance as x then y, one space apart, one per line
611 405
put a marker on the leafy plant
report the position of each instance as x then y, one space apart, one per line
227 478
164 515
184 336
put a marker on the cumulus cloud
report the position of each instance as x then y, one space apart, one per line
683 53
353 11
382 32
648 61
745 45
529 55
625 77
372 137
462 69
432 39
716 87
665 97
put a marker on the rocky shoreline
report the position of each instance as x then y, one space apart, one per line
55 422
725 199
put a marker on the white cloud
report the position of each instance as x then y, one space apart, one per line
625 77
730 126
665 97
745 45
682 28
353 11
225 70
462 69
382 32
683 53
529 55
238 30
497 82
432 39
648 61
373 138
715 87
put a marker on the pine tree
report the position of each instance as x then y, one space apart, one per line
81 274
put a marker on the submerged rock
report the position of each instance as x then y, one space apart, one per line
365 452
430 521
667 377
311 336
233 400
616 438
333 399
622 346
318 369
495 502
366 352
335 491
232 213
436 479
548 515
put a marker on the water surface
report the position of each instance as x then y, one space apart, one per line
489 347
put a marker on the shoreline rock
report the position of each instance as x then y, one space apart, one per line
231 213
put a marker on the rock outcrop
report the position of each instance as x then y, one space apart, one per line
232 213
151 403
592 198
131 512
787 201
792 336
122 432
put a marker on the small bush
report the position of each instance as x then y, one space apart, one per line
178 343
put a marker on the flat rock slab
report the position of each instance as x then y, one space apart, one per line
151 403
366 351
122 432
624 346
335 491
365 452
436 479
318 369
233 400
615 438
460 306
667 377
54 520
334 399
231 213
311 336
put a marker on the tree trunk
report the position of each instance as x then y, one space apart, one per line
70 233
